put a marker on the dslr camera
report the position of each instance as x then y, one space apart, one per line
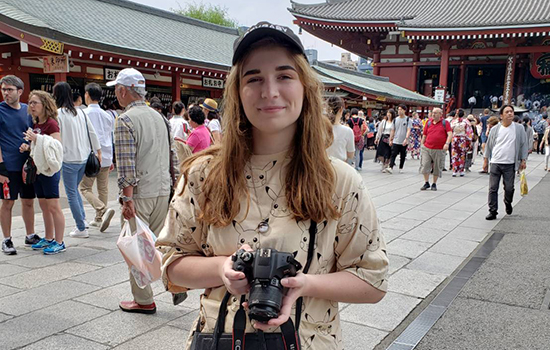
264 270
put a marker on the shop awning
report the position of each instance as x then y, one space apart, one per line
379 87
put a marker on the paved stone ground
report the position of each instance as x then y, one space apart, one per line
70 300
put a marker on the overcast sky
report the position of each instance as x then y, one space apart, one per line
249 12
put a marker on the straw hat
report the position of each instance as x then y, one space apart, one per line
210 104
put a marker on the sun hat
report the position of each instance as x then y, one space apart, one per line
128 77
261 30
210 104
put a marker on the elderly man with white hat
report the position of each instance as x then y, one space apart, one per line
142 149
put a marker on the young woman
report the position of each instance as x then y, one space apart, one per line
546 143
383 150
415 137
43 110
356 121
75 127
263 187
343 145
210 109
462 139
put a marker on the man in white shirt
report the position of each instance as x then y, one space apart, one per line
103 124
506 152
472 102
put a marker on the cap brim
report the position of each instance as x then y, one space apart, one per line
111 83
259 34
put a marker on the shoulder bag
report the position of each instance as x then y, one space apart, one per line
29 172
92 164
288 339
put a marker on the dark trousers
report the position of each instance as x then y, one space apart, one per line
402 151
508 174
540 144
472 105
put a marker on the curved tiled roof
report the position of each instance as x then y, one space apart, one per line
122 26
373 85
432 13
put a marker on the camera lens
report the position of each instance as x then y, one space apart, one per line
265 301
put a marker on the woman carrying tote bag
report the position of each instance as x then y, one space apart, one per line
271 185
77 136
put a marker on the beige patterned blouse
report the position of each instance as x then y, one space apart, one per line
353 243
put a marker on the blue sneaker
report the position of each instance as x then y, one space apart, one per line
55 248
43 243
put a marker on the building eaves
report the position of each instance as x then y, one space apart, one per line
374 85
122 27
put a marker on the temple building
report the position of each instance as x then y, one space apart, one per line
440 48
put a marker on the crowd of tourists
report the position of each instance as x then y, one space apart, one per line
283 163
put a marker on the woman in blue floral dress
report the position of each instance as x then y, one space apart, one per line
415 137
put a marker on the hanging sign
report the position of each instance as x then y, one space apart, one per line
540 65
56 64
212 83
509 79
110 74
439 95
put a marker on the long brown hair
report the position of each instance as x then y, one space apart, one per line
50 108
310 178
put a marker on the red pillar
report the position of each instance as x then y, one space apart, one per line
414 75
461 85
176 87
375 61
27 82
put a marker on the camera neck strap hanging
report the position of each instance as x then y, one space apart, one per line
288 330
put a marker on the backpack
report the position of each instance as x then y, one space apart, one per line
357 134
539 127
443 121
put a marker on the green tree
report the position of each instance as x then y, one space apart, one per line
208 13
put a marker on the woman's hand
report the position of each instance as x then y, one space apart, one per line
296 287
30 135
235 281
24 148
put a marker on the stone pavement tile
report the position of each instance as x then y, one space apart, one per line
4 317
192 302
40 297
454 214
65 341
516 272
118 327
103 258
397 262
391 234
101 244
166 338
46 322
9 269
185 322
425 234
357 337
418 214
108 298
441 223
401 224
474 324
435 263
414 283
7 290
465 206
22 252
105 277
385 215
454 246
386 315
468 233
477 220
396 207
406 248
42 260
38 277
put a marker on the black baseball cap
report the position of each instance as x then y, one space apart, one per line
262 30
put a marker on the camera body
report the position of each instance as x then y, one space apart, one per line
264 270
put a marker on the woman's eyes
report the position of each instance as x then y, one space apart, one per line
280 77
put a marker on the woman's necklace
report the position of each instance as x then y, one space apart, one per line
263 225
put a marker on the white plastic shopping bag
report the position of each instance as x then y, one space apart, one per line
138 249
